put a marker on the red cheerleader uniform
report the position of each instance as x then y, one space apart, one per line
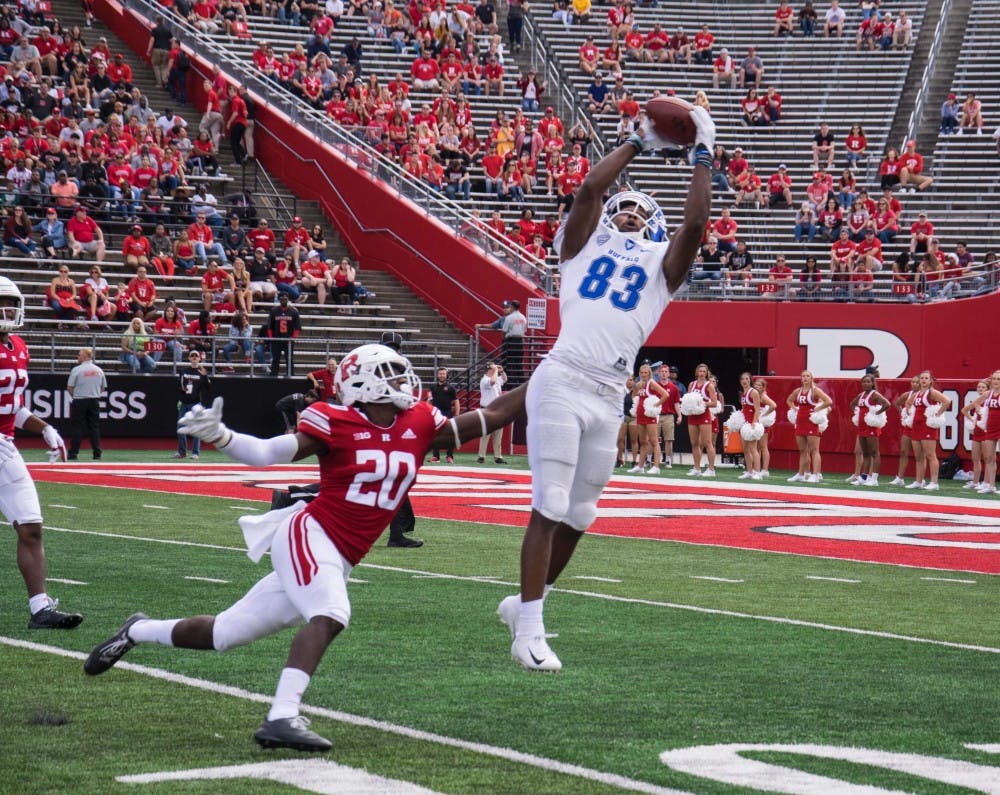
746 405
645 393
921 431
705 418
806 406
903 429
865 405
992 402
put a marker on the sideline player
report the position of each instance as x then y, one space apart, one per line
369 451
18 497
618 274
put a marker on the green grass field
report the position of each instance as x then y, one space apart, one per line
421 687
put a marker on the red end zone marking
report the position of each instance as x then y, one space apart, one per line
956 535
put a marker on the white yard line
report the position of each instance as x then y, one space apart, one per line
65 582
597 579
551 765
829 579
64 507
207 579
713 579
949 579
158 507
590 594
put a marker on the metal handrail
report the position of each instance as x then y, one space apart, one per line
354 147
916 116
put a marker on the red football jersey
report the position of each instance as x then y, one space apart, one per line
367 470
13 379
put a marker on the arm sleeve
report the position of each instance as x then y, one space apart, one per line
256 452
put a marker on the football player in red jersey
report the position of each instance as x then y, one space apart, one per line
369 451
18 497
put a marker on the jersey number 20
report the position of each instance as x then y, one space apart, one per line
597 282
393 472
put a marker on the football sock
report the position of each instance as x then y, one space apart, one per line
530 623
38 602
291 685
151 630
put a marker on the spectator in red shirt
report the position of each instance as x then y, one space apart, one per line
424 71
779 278
886 222
754 109
890 168
492 76
863 281
921 231
772 104
748 187
869 251
658 44
217 286
296 240
679 46
205 244
703 41
911 171
856 145
322 380
141 296
725 67
842 254
84 235
316 276
261 237
779 188
136 248
724 231
783 19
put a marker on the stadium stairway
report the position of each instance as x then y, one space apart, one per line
430 339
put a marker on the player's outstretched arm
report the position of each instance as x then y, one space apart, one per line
473 424
29 422
206 424
697 206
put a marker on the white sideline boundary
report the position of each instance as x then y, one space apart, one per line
508 754
590 594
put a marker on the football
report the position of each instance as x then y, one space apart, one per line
670 117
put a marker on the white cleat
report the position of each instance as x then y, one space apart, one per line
756 476
985 488
764 474
870 482
931 487
534 654
971 485
694 472
812 478
509 611
897 481
917 484
653 471
796 477
708 473
635 469
745 476
853 479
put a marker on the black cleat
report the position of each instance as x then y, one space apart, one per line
499 461
52 618
291 733
405 542
106 654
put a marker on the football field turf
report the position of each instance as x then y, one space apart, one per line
853 676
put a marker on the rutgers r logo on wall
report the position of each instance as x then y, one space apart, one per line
827 348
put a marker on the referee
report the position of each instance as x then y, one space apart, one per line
86 386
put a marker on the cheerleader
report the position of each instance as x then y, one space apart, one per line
906 422
751 431
700 422
767 417
811 406
978 419
990 404
629 431
868 414
649 398
929 407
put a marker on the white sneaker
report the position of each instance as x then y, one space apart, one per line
694 471
819 477
756 476
971 485
708 473
985 488
796 477
917 484
634 469
745 476
897 481
653 471
853 479
931 487
812 478
667 465
764 474
870 482
509 611
534 654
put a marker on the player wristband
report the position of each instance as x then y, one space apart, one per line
636 140
702 156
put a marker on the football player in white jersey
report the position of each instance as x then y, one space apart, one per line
618 274
18 497
369 450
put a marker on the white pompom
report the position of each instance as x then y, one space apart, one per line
735 421
751 431
856 416
933 416
650 408
692 404
716 410
984 414
767 417
906 417
819 417
793 415
823 426
876 420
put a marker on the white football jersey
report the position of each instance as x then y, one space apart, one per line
612 295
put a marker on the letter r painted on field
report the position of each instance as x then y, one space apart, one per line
825 351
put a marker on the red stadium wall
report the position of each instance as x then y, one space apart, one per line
381 230
837 442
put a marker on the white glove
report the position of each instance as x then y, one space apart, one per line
206 424
57 447
8 451
650 139
706 127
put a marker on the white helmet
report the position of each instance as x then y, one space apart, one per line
654 224
369 374
7 322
